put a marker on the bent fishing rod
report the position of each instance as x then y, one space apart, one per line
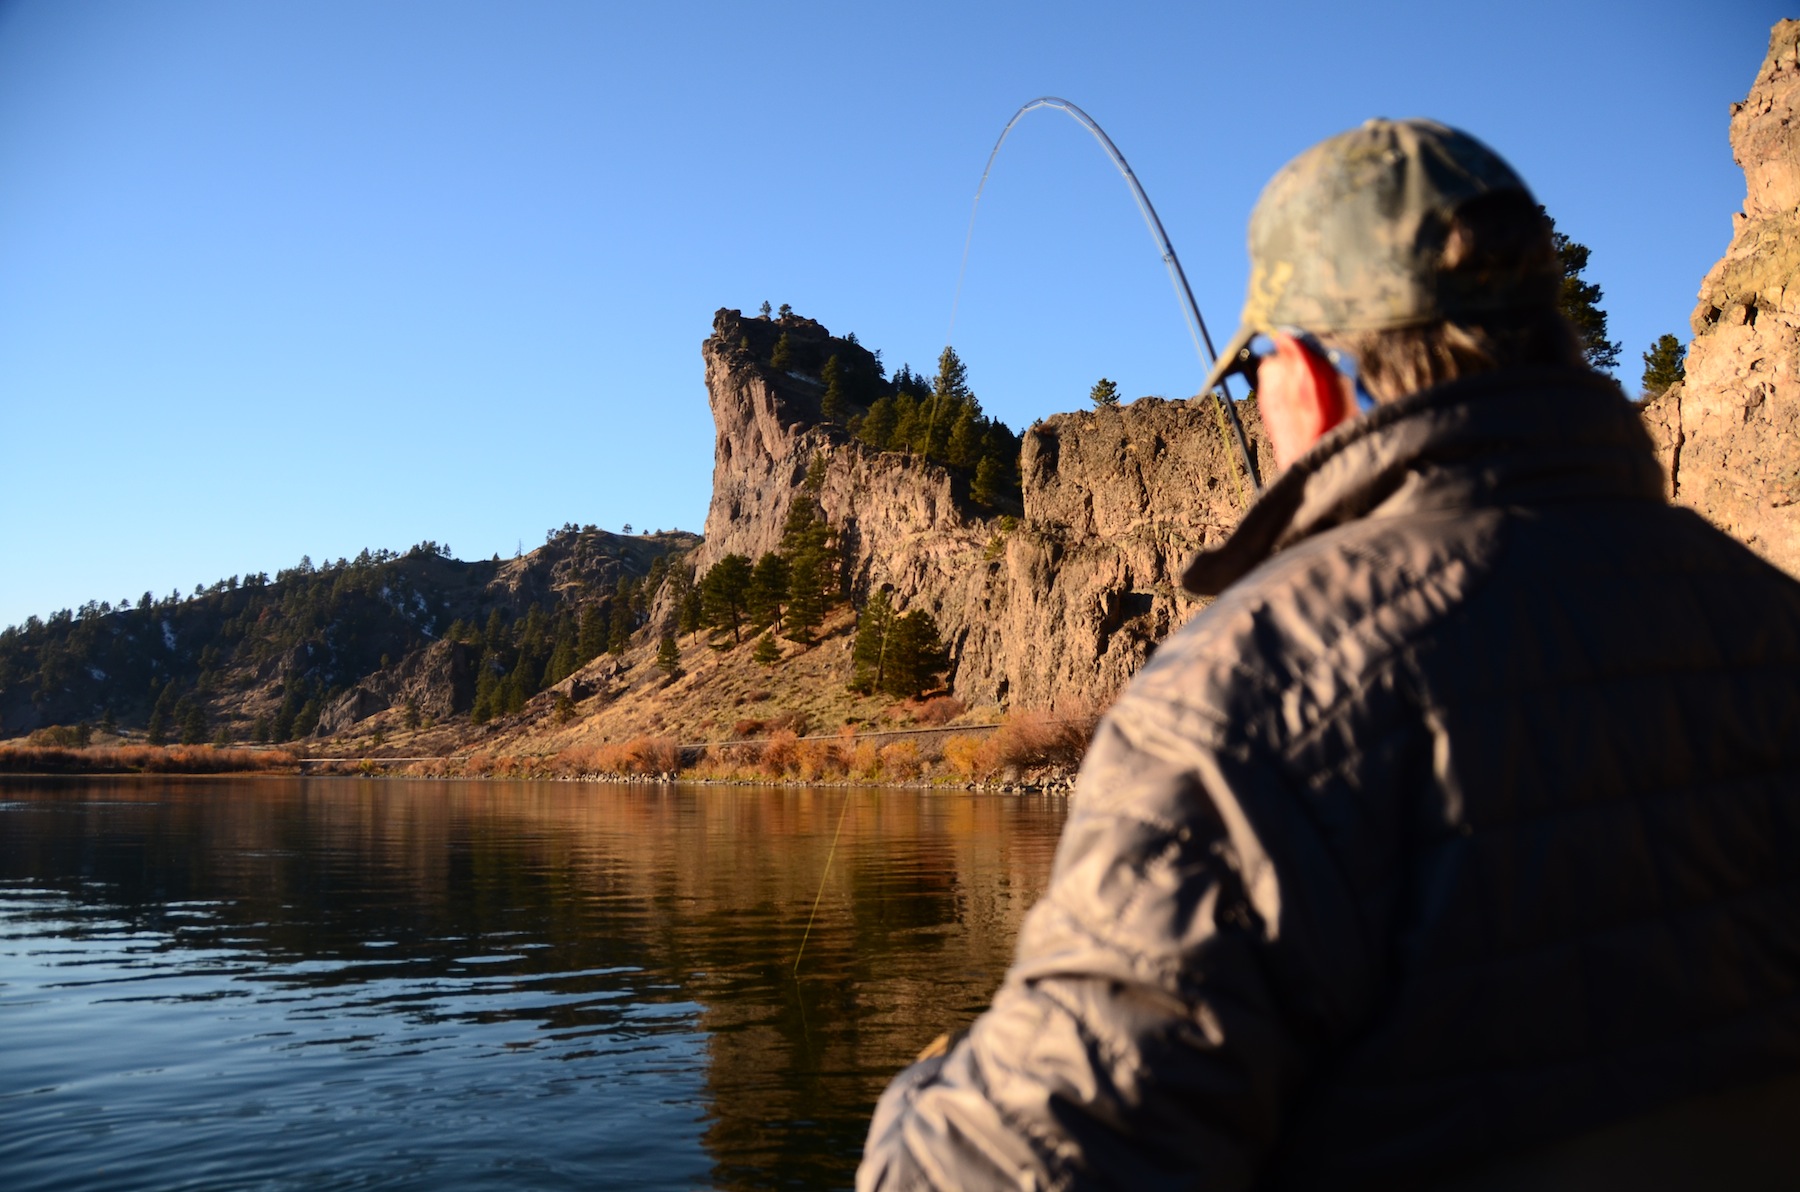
1184 293
1203 347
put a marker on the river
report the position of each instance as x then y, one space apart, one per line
342 983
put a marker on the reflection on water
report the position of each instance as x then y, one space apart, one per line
336 983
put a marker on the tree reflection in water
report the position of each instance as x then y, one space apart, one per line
586 925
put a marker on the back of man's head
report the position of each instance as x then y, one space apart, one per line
1414 248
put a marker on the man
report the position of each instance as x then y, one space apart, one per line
1458 842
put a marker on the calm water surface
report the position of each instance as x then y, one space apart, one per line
332 983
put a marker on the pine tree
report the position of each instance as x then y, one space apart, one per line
911 384
623 620
693 611
915 655
285 715
833 401
161 713
768 591
985 489
868 654
1580 301
1104 393
1664 365
784 312
723 592
807 577
514 690
193 725
783 355
804 526
949 392
766 308
590 643
668 655
964 450
562 662
877 426
487 691
767 652
952 376
307 719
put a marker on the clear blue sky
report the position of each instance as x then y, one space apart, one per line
299 278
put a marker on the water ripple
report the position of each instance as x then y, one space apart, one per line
305 984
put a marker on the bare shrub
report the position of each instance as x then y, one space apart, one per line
963 754
153 759
865 760
569 762
781 752
939 709
728 760
62 736
1028 739
479 765
819 759
748 728
654 755
713 764
900 761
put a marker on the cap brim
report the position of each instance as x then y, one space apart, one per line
1231 359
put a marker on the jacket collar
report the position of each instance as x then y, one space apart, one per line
1519 437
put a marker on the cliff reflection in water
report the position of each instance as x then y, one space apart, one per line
591 907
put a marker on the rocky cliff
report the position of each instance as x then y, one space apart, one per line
1730 435
1054 606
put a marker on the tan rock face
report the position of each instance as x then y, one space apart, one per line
1730 434
1055 609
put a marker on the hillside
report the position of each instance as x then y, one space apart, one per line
1041 565
1046 564
319 650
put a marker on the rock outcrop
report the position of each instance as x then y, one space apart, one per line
1730 434
1053 607
438 681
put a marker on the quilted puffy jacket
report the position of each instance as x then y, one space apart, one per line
1467 819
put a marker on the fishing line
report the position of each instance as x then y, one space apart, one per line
1184 293
829 853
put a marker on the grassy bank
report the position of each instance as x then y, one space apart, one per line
1027 748
1024 749
143 759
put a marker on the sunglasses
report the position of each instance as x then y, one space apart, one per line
1262 346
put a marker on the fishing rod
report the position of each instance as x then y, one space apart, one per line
1203 345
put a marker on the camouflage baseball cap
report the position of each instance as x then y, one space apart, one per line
1349 237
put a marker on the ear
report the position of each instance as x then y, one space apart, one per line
1301 397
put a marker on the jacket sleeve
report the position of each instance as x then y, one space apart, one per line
1190 957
